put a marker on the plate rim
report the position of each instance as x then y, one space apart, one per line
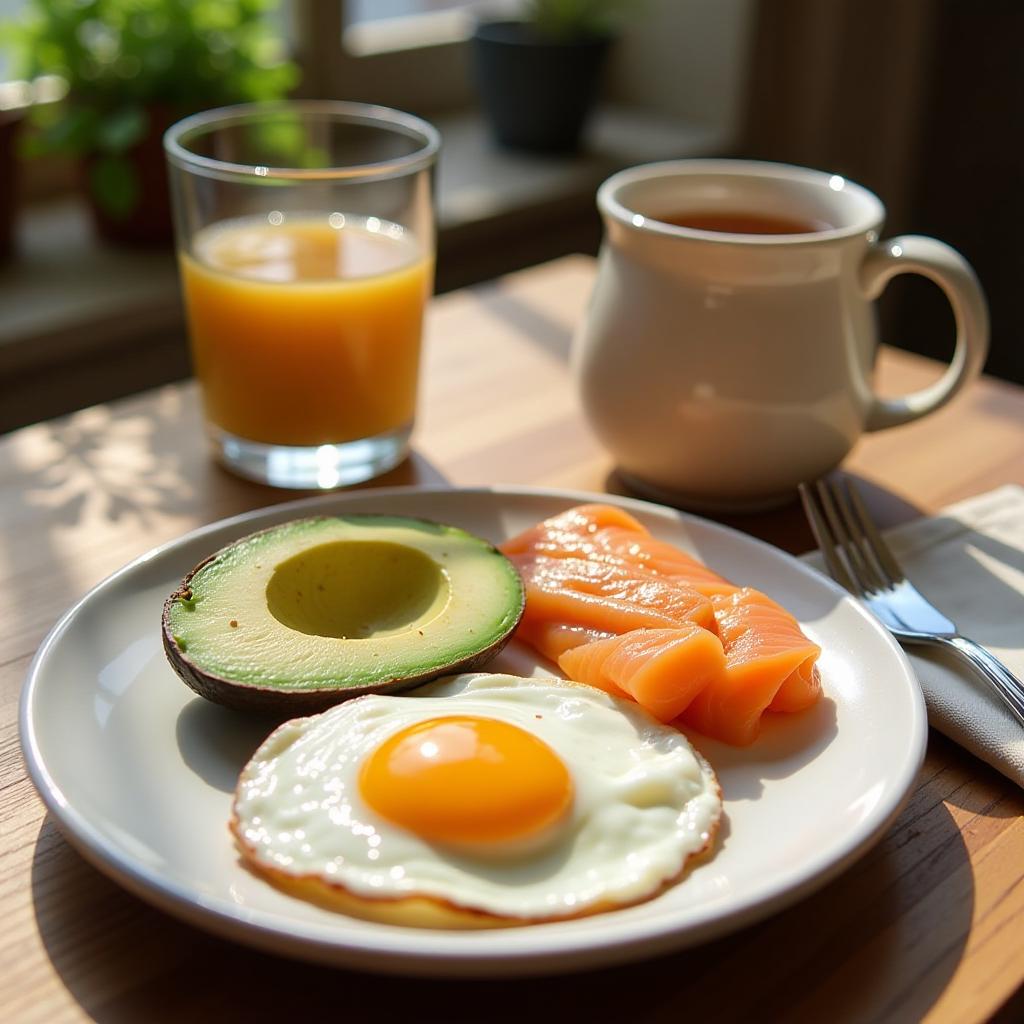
628 942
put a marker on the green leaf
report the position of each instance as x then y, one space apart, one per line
569 19
179 53
115 186
72 129
121 129
279 140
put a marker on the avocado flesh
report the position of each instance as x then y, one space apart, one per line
302 615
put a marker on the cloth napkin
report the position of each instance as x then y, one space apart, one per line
969 562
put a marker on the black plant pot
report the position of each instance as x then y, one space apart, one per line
537 92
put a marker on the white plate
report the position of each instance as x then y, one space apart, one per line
138 770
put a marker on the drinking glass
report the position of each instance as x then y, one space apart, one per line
305 234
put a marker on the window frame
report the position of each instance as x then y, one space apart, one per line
385 69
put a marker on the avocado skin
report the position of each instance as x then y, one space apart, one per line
283 704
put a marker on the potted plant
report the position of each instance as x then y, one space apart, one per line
538 76
133 68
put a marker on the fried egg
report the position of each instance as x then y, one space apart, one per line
515 799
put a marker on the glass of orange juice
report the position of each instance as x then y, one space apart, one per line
305 234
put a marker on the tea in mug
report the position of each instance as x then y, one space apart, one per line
742 222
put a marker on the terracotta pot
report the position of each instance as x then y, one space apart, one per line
148 221
10 125
536 92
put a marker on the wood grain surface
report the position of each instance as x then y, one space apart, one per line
929 925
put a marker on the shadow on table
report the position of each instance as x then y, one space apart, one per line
91 475
125 463
415 471
852 952
112 463
528 321
984 800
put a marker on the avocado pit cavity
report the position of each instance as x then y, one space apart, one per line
354 590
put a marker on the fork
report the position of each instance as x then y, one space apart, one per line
859 560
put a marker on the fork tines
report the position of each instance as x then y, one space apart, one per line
856 556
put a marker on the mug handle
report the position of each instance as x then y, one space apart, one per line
917 254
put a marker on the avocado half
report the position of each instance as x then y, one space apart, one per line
303 615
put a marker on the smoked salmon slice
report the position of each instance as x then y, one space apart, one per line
568 530
621 610
659 557
661 669
769 665
603 533
553 639
610 599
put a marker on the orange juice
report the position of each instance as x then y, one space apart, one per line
307 331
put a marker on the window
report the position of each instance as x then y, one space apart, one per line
404 53
376 25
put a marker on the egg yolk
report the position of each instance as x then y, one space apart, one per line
466 780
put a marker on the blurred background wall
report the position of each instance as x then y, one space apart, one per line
921 101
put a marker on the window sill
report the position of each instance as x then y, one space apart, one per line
84 322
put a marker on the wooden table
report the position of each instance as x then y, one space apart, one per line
929 924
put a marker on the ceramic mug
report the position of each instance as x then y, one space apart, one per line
722 368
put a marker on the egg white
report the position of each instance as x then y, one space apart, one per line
644 802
